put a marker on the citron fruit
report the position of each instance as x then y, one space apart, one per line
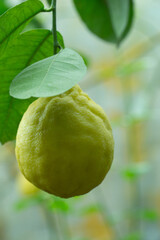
64 144
25 187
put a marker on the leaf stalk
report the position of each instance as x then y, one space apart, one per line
54 26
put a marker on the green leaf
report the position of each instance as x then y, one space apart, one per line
86 59
110 20
130 20
119 12
49 2
3 6
29 47
49 77
15 19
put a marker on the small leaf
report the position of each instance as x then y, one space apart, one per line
135 170
27 201
15 19
49 77
109 20
29 47
133 236
94 208
150 215
21 204
59 205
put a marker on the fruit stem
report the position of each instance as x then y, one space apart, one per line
54 27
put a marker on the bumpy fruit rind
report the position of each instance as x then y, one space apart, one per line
64 144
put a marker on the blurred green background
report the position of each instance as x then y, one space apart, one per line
125 82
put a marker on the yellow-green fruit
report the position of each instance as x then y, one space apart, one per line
64 144
25 187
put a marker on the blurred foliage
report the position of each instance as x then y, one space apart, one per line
129 120
149 215
128 68
51 202
59 205
92 208
135 170
26 202
133 236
